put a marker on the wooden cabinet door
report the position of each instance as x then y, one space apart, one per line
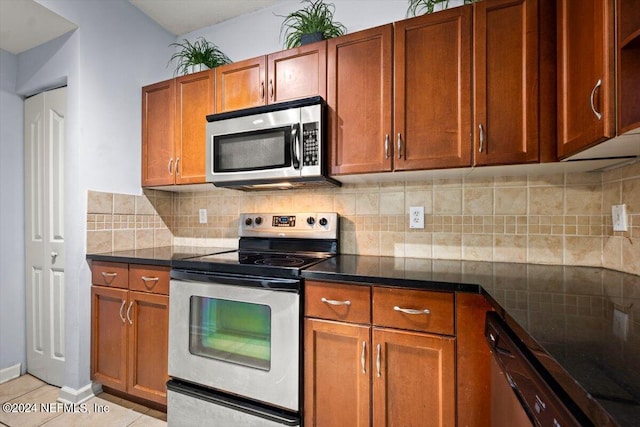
337 365
359 91
432 99
296 73
147 318
241 85
415 385
158 115
194 101
506 48
109 337
585 74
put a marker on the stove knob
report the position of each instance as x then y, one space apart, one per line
323 221
258 220
248 222
311 220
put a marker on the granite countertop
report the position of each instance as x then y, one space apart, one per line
579 322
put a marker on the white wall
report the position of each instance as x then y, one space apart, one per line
12 291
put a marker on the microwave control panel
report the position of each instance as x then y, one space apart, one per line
310 144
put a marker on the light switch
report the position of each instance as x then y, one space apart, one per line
619 217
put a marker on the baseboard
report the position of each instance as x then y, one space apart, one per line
10 373
71 395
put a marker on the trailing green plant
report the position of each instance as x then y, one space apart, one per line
317 16
419 7
200 51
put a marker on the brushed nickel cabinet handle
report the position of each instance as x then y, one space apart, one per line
362 357
399 145
150 279
128 312
261 90
178 166
105 274
271 91
121 307
334 302
386 146
170 166
481 138
591 100
411 310
379 349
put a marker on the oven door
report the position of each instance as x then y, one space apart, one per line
236 334
258 147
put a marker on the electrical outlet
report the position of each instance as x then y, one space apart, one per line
416 217
620 324
619 217
203 216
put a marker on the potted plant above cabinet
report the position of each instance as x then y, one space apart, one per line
418 7
311 24
197 56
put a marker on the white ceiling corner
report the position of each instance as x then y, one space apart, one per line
184 16
25 24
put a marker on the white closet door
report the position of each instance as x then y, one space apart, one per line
45 258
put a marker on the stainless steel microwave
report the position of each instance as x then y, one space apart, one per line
270 147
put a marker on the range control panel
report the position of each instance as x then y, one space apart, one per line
302 224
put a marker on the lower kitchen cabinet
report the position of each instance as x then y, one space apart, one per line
414 379
129 329
360 369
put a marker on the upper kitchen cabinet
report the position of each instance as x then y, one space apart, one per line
514 64
585 74
628 65
359 97
432 91
173 129
282 76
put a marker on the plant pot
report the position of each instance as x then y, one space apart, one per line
311 38
196 68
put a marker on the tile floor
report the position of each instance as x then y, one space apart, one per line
40 399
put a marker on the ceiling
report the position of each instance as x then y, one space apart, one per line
25 24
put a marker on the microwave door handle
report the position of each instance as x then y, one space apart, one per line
295 146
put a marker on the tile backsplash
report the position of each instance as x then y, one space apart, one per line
560 219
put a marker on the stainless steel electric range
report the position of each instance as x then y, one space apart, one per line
234 323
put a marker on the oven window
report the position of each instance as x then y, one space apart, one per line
232 331
257 150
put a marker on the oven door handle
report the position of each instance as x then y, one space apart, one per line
276 284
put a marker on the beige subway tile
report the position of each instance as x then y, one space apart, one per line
368 203
621 173
631 255
546 201
348 243
418 245
511 200
583 178
485 182
123 240
419 197
581 250
144 239
477 247
99 241
143 206
631 195
509 248
124 204
392 244
99 202
392 203
368 243
447 200
544 249
510 181
345 204
163 237
447 246
478 201
583 200
556 180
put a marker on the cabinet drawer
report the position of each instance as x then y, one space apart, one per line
347 303
115 274
149 278
405 309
